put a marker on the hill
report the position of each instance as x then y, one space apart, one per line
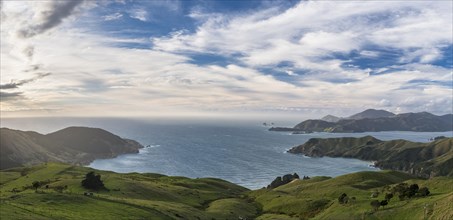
331 118
317 198
369 121
371 113
153 196
77 145
127 196
421 159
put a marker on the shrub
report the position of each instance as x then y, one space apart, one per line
424 191
343 199
388 196
93 181
383 203
375 204
36 185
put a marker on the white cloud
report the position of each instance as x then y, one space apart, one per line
367 53
113 17
139 13
91 75
311 30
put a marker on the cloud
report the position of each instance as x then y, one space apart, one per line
139 13
29 51
295 60
312 34
15 85
50 15
112 17
6 96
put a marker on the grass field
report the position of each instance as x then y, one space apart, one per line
154 196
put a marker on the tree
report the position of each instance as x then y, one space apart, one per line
411 191
424 191
343 199
295 176
93 181
388 196
400 188
375 204
383 203
36 185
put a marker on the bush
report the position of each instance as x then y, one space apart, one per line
93 181
424 191
388 196
375 204
383 203
343 199
36 185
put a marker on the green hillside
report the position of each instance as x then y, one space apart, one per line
422 159
75 145
154 196
129 196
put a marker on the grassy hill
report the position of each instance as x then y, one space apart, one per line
154 196
317 198
129 196
421 159
79 145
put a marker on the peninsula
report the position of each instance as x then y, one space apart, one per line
74 145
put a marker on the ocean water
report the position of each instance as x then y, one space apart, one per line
244 153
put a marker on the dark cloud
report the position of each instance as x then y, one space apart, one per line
5 96
14 85
33 68
29 51
51 16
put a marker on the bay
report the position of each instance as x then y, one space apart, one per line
242 152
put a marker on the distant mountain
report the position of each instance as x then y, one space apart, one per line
331 118
77 145
313 125
422 122
421 159
371 113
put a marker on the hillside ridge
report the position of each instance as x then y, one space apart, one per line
75 145
421 159
374 121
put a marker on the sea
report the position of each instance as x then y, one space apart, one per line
243 152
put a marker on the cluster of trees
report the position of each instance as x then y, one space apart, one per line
406 191
282 180
403 190
93 181
37 184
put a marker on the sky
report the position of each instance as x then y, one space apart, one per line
266 58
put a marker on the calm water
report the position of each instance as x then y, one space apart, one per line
243 153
